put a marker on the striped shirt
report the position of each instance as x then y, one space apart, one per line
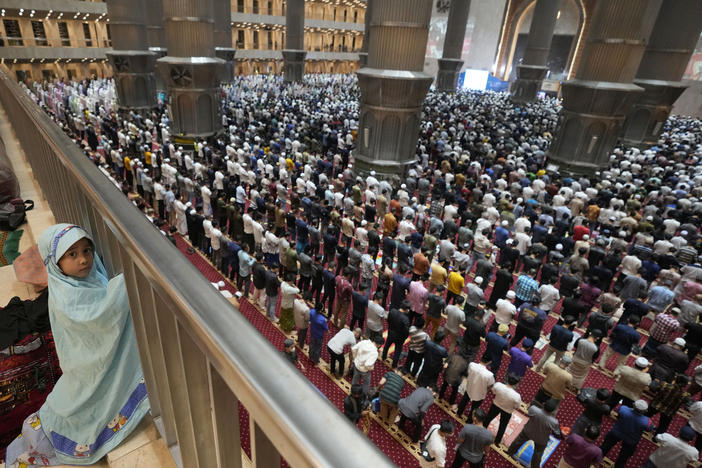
418 340
392 389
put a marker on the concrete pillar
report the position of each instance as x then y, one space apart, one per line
363 54
223 37
156 36
667 54
190 70
294 53
130 57
393 86
533 69
450 62
154 25
597 100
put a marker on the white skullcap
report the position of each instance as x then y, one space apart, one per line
680 342
478 280
192 212
641 362
641 406
511 294
559 246
505 223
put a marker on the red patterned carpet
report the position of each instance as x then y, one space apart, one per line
317 377
393 442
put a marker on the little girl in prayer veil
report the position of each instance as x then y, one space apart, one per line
101 396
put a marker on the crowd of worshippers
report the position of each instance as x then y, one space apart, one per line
480 241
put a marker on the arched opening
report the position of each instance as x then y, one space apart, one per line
566 35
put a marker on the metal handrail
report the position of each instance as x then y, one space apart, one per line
200 355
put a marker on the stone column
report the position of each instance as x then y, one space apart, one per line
598 99
294 53
363 54
130 57
223 38
450 62
393 86
190 70
667 54
154 25
156 35
532 71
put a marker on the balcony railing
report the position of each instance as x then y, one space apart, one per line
200 356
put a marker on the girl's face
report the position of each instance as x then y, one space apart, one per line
78 259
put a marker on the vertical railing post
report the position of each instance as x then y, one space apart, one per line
225 411
176 383
136 306
197 385
263 452
153 341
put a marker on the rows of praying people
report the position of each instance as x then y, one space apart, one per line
448 275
